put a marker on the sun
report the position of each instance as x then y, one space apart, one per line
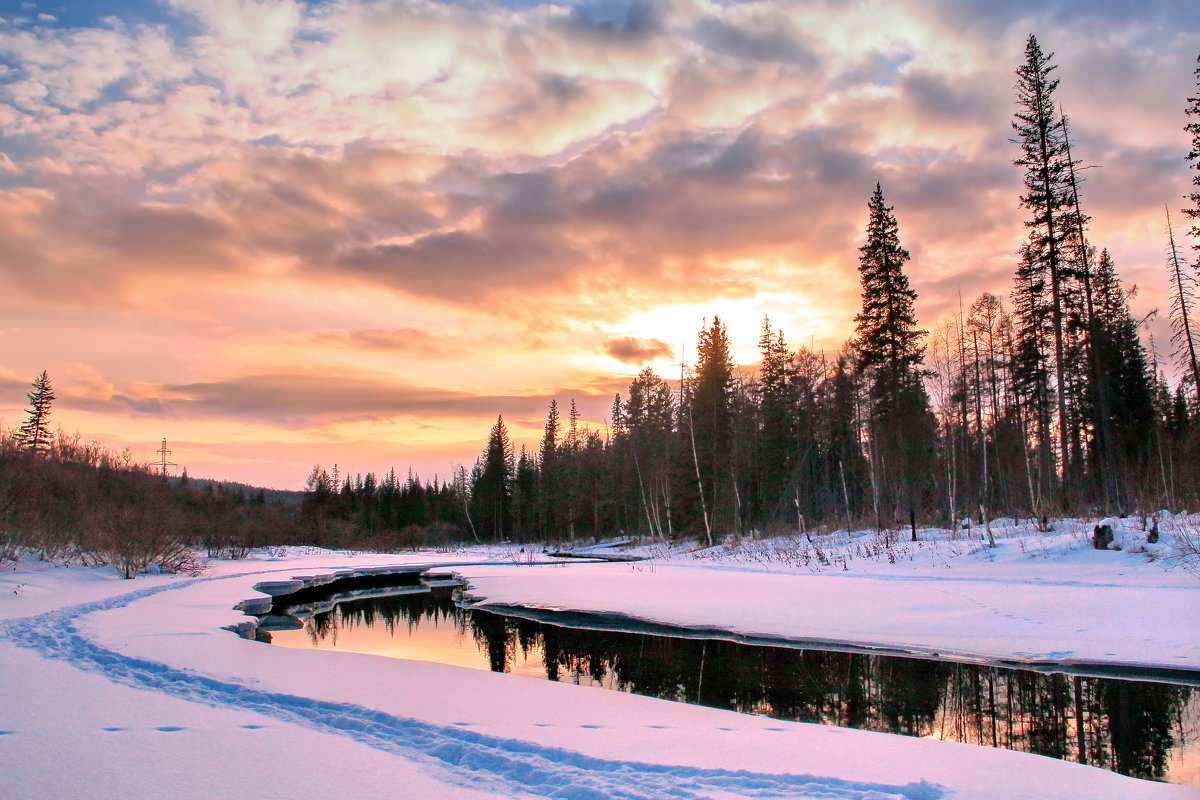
677 324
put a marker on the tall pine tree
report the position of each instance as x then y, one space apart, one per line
890 352
709 427
646 422
1130 383
492 490
549 479
777 404
1049 199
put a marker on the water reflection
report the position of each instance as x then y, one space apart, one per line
1141 729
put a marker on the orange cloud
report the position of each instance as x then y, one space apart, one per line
211 215
632 350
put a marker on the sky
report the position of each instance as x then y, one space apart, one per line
279 233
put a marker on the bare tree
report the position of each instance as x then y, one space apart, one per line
1183 298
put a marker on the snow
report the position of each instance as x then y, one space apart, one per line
132 689
1077 607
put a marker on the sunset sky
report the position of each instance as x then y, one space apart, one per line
280 233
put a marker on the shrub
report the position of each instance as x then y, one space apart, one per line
134 537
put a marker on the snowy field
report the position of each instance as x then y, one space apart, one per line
132 689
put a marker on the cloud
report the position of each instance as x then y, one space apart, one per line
772 37
364 184
13 390
640 21
402 341
302 401
636 351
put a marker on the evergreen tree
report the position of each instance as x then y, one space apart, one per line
889 343
549 479
778 416
1048 197
646 420
890 353
811 479
1193 127
710 428
843 440
524 494
570 460
318 495
1093 395
492 487
1031 376
1123 360
34 435
595 491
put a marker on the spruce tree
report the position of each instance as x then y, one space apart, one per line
1193 127
549 481
842 437
1049 198
777 418
570 457
888 340
524 493
710 426
492 490
1033 332
34 435
1123 360
647 421
890 352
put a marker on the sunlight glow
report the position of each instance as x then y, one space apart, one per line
802 323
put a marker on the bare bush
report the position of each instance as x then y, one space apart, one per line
135 537
410 537
1182 547
9 551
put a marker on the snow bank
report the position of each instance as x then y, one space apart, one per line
119 693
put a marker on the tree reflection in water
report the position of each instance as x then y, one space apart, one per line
1131 727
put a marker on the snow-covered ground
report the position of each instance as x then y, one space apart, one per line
127 689
1033 598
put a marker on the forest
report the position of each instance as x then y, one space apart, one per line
1050 402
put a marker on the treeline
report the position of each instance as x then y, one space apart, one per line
1052 405
75 502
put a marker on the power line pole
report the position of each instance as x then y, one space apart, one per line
163 452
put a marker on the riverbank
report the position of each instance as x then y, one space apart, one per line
132 689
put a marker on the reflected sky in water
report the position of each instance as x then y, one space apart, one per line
1144 729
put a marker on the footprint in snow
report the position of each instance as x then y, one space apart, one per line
170 728
6 733
591 726
659 727
112 730
464 724
253 727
